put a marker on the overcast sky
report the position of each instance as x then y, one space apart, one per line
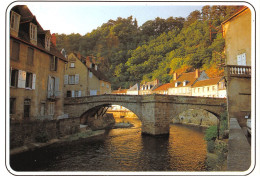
61 17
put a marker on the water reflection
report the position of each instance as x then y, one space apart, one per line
122 150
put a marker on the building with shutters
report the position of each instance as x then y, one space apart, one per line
213 87
83 78
36 69
148 87
182 84
237 35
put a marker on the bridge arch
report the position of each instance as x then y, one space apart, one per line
197 116
93 109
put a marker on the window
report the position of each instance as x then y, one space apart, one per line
33 33
29 80
68 93
72 65
241 59
27 105
78 93
107 85
207 88
71 79
51 108
103 84
42 110
90 74
15 51
15 21
30 54
47 42
213 88
53 64
12 105
14 78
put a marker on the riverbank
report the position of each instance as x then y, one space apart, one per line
69 138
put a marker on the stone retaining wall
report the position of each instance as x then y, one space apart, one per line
239 150
22 133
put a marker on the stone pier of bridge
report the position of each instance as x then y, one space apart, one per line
155 111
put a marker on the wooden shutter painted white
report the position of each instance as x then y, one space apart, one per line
56 87
243 59
77 79
33 81
66 79
72 93
21 79
79 93
239 60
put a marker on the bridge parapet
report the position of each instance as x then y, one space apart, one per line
155 111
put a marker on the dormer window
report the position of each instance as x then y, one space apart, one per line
14 23
47 42
185 82
33 33
177 83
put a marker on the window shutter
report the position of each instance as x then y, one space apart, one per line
66 79
79 94
21 79
57 82
33 81
49 87
76 78
72 93
243 59
239 60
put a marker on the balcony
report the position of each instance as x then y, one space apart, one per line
238 71
54 94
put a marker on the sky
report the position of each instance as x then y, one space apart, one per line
82 18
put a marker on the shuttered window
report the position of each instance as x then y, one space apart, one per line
30 55
15 51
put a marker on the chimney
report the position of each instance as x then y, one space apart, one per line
197 73
78 55
53 39
88 63
175 76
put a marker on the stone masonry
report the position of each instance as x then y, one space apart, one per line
155 111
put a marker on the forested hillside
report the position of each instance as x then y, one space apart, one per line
129 53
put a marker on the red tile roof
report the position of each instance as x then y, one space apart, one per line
164 87
190 77
119 91
208 82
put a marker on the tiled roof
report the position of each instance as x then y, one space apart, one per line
207 82
119 91
97 72
190 77
164 87
243 8
23 35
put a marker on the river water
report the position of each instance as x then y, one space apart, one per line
122 150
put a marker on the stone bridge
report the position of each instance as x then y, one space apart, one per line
155 111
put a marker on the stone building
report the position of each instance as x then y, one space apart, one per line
82 78
134 90
163 89
213 87
36 69
237 35
182 84
148 87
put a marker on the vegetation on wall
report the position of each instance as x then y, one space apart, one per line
129 53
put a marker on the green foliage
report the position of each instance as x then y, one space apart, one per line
211 133
223 123
210 146
221 149
128 53
42 137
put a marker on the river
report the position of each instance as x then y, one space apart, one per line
122 150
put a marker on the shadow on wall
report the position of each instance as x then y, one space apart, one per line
198 117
